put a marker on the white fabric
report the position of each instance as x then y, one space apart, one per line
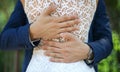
85 10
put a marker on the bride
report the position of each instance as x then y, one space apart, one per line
85 9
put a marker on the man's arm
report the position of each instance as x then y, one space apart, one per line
100 38
16 33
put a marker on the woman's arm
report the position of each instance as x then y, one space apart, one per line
15 35
100 38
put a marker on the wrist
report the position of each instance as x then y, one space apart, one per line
90 56
87 50
33 33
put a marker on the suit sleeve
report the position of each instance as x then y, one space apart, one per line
15 35
101 38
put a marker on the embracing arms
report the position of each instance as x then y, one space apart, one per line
15 35
18 32
100 38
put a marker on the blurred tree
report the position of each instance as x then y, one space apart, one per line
9 60
113 7
6 7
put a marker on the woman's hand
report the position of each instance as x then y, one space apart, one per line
48 27
72 50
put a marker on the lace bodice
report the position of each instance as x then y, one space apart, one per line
85 9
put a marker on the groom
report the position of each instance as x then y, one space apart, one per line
16 35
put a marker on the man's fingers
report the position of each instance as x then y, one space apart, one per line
68 36
68 29
52 54
60 60
53 49
50 9
52 44
56 37
69 23
66 18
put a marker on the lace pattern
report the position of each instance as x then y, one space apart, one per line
85 9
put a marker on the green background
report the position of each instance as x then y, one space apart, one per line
11 61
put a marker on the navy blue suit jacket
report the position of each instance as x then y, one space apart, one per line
16 34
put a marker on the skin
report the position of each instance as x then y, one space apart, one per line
48 27
72 50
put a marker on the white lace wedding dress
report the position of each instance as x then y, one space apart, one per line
85 10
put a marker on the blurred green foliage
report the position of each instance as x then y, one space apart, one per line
11 61
6 7
112 63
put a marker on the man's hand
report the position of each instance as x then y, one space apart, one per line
72 50
48 27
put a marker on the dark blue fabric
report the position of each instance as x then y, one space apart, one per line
16 34
100 39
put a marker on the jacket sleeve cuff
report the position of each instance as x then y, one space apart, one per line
26 37
35 42
92 62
